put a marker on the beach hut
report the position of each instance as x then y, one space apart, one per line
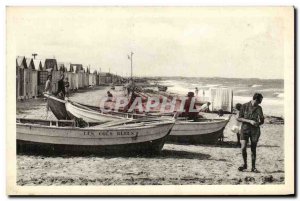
42 74
96 77
37 63
70 75
61 66
28 78
51 64
91 79
78 74
52 68
102 78
84 77
20 66
108 78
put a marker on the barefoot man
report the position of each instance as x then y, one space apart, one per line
251 116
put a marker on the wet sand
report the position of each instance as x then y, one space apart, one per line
177 164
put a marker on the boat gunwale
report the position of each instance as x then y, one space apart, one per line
115 128
199 122
100 137
50 96
95 112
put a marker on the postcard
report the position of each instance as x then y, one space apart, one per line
150 100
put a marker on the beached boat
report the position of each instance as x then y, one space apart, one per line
184 131
204 131
62 136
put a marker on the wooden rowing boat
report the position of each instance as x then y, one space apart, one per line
63 136
204 131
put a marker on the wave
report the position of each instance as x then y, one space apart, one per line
256 85
279 95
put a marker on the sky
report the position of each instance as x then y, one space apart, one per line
192 42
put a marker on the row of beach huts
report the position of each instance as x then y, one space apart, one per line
31 76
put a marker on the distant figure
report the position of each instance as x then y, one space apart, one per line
67 85
187 113
61 87
48 85
236 128
205 107
130 87
196 91
251 116
109 94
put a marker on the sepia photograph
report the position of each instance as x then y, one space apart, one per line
150 100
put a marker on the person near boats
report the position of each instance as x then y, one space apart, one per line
48 85
130 87
196 91
48 90
109 96
251 116
205 107
236 128
61 87
191 115
67 85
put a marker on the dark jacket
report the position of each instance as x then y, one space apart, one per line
61 87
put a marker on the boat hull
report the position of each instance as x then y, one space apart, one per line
150 147
57 107
92 139
88 115
197 132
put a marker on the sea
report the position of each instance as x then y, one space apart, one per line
243 89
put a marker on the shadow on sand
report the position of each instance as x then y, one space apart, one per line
229 144
183 155
172 154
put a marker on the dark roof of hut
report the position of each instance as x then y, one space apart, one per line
95 72
29 63
51 64
37 64
21 60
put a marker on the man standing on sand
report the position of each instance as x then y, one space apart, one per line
251 116
61 87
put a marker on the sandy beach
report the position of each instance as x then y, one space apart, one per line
176 165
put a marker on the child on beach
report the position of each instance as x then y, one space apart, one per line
236 128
